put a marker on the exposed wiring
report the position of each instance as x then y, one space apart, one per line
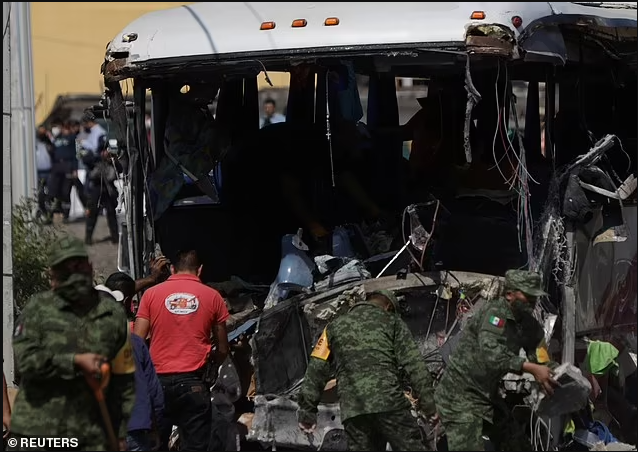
436 305
394 258
519 179
407 239
536 423
447 314
266 77
497 162
427 240
622 148
329 131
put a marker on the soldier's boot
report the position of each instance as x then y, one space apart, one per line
66 210
88 235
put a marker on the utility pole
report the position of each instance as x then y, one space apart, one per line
18 153
7 248
22 103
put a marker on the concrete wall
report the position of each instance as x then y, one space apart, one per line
69 40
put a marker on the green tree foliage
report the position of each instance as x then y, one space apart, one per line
31 241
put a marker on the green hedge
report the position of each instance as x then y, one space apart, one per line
31 241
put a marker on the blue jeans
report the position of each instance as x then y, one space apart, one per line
139 440
186 404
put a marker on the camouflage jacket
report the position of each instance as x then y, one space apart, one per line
54 398
489 348
373 352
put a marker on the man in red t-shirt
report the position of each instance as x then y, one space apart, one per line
180 315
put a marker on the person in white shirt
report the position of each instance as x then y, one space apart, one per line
43 151
270 114
92 136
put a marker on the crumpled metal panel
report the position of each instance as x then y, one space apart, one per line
606 278
275 422
570 397
490 39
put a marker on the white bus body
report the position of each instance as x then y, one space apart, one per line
224 29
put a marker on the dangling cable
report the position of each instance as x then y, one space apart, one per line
329 132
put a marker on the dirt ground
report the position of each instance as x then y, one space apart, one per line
103 253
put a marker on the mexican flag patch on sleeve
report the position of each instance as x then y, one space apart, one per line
497 321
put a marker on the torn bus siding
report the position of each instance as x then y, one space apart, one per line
491 39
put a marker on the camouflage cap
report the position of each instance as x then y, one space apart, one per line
65 248
528 282
388 295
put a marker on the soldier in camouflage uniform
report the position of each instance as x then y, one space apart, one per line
62 335
487 350
372 349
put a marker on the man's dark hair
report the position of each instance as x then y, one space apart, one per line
122 282
186 261
270 100
87 117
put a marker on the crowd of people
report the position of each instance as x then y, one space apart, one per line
61 151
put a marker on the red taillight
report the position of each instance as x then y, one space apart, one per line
517 21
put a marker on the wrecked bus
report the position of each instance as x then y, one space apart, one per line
480 191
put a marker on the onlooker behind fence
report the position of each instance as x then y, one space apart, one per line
180 314
149 399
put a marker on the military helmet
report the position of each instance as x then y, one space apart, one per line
66 248
528 282
390 296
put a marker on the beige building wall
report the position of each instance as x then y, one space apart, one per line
69 41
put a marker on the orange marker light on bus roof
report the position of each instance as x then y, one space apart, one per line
478 15
331 21
298 23
267 26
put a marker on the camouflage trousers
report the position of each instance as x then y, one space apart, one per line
504 434
464 435
374 431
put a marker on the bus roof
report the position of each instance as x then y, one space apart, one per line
225 28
